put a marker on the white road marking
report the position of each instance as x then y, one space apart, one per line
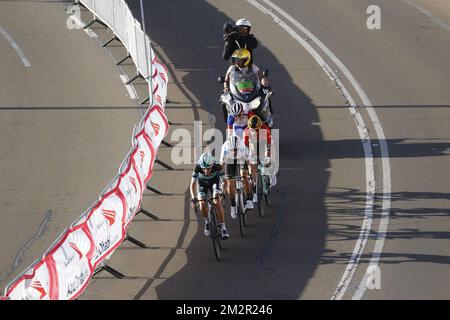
130 88
88 31
15 47
428 14
370 179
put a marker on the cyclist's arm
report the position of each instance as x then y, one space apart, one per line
194 180
268 142
230 122
226 84
222 155
193 188
246 138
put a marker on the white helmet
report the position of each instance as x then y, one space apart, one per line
244 23
206 160
236 108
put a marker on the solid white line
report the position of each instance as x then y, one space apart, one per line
351 267
16 47
130 89
428 14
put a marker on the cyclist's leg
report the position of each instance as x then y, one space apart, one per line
230 174
201 196
247 186
253 164
246 179
219 209
218 203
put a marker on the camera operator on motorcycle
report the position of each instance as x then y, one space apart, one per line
238 36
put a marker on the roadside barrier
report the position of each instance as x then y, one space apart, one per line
84 249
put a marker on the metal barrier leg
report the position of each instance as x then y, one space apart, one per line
134 78
135 241
167 144
163 164
148 214
123 60
93 21
89 23
74 3
145 100
110 270
114 272
154 189
109 41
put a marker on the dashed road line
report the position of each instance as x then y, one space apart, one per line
15 47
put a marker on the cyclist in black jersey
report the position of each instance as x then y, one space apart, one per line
207 177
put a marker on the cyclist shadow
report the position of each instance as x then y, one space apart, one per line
281 251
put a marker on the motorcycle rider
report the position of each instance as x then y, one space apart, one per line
207 175
241 63
242 69
238 36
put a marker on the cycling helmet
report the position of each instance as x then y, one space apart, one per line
254 122
241 57
236 108
243 23
206 160
234 141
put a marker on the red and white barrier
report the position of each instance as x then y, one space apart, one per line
65 270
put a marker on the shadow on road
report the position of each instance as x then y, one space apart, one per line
281 251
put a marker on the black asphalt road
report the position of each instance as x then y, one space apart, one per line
302 247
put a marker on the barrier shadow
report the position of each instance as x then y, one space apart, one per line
280 253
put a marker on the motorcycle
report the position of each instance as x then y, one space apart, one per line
245 88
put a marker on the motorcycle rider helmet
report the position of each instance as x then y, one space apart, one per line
254 122
234 141
241 57
244 25
236 108
206 160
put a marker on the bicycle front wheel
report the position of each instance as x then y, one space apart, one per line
214 234
259 193
240 212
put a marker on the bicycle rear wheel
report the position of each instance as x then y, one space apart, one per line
240 212
267 190
259 193
214 234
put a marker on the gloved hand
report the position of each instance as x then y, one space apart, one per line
193 202
265 82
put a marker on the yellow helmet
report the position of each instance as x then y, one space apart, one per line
254 122
242 57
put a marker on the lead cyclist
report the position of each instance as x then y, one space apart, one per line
207 177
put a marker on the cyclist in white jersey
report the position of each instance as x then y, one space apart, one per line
233 155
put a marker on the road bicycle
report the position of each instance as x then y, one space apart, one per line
214 228
240 206
263 188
